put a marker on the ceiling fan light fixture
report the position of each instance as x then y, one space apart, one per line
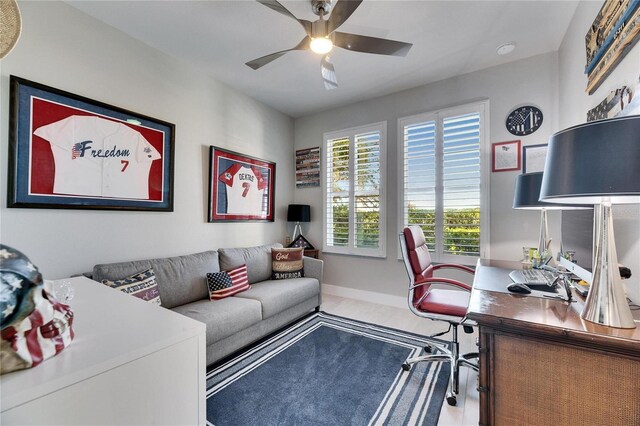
321 45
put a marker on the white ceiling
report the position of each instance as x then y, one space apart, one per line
449 38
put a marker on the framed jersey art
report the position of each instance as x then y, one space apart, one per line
68 151
241 188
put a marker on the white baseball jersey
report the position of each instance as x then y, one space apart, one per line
99 158
245 190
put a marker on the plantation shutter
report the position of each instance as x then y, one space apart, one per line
442 180
420 178
338 178
367 190
354 196
461 185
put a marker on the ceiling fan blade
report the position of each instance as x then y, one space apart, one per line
366 44
328 73
264 60
275 5
340 13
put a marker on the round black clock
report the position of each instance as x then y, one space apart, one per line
524 120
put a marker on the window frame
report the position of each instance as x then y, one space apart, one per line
351 133
482 108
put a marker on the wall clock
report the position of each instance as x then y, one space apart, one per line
524 120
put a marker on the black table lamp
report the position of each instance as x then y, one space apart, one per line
298 213
598 163
527 197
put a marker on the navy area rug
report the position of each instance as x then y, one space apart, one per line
328 370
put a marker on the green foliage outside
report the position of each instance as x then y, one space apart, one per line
461 231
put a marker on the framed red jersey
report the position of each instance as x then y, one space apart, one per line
68 151
241 188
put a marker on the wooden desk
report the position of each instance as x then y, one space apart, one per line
541 364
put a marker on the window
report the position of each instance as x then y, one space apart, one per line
444 187
354 202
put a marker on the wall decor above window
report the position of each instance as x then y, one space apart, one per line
68 151
241 188
615 30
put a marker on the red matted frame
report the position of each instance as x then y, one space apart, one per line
506 156
68 151
241 188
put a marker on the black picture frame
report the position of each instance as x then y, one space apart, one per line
241 187
70 152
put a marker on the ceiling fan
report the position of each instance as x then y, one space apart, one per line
321 37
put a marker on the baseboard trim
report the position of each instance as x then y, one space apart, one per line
365 296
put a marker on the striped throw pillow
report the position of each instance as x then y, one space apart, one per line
227 283
142 285
287 263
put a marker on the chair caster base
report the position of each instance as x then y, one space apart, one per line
406 366
451 400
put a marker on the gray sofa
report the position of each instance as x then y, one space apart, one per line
236 321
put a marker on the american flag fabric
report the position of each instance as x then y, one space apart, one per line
142 285
227 283
41 335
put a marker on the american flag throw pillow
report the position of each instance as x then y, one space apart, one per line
227 283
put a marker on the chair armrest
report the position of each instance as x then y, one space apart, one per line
445 281
454 266
313 268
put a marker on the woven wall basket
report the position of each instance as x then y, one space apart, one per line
10 26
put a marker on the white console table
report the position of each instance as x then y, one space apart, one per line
131 363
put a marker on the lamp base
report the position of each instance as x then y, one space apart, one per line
297 230
607 302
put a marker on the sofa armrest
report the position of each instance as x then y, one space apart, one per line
313 269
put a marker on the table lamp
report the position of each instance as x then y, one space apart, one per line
298 213
598 163
527 197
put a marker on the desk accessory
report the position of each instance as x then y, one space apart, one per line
526 197
597 163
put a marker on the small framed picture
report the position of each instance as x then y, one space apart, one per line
533 158
505 156
241 188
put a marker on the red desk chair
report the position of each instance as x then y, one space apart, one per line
440 304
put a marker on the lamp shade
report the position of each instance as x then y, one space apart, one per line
527 195
299 213
593 163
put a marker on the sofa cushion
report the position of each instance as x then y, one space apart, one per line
287 263
224 317
142 285
257 259
277 296
180 279
227 283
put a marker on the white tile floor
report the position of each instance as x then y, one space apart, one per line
466 410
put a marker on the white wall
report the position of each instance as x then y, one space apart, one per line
529 81
63 48
574 104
